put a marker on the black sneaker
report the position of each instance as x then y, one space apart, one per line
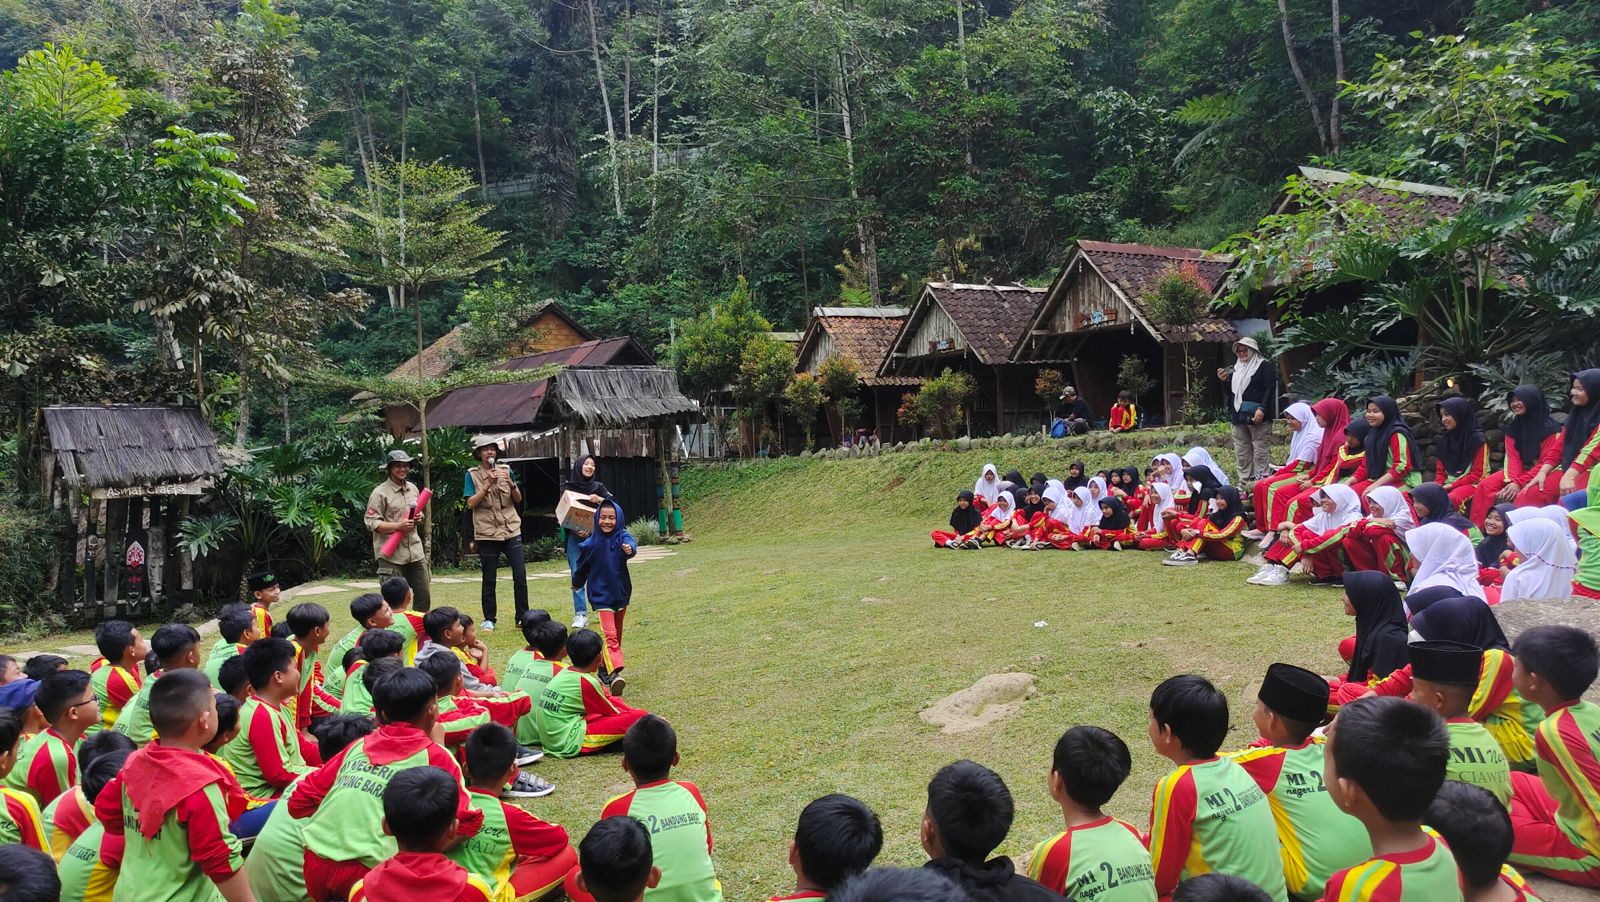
526 756
1328 581
528 786
617 684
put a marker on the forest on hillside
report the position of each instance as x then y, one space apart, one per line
198 195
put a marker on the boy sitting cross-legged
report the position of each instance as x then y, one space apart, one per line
836 839
1208 815
269 753
615 862
676 813
171 801
277 862
1556 815
1478 830
341 802
460 715
968 815
420 812
236 629
1384 761
447 635
576 715
370 612
177 647
116 677
1315 838
20 818
47 764
1097 857
532 668
520 855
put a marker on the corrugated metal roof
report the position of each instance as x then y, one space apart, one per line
518 404
127 445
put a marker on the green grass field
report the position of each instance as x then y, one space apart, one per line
794 642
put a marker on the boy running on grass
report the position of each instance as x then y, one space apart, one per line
420 812
576 715
836 839
116 678
1384 761
520 855
177 647
47 764
1097 857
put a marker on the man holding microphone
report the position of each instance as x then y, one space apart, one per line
393 507
493 497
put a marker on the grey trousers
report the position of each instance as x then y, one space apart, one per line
1252 452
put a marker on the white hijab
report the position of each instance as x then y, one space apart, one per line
985 489
1164 501
1304 444
1394 507
1346 509
1174 479
1098 481
1197 455
1244 371
994 510
1080 519
1444 558
1548 561
1055 491
1555 513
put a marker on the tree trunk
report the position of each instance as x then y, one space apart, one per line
627 70
241 426
477 136
961 47
422 424
1335 130
655 109
1300 75
605 103
869 242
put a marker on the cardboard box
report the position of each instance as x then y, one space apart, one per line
574 511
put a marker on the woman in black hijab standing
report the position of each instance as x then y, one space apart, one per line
584 479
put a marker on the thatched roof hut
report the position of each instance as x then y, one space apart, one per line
620 395
127 450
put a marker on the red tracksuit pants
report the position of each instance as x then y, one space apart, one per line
1377 548
1540 844
611 623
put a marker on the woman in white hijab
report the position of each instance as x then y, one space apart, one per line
1319 539
1097 489
998 519
1252 381
988 485
1172 475
1197 455
1083 513
1445 564
1555 513
1548 562
1378 541
1151 523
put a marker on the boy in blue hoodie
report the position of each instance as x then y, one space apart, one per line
603 569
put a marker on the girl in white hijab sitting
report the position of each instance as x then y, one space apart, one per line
1378 541
1319 540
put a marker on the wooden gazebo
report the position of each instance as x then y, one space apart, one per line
124 476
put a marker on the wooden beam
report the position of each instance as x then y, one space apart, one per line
116 533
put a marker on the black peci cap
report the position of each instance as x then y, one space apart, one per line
1295 693
1443 661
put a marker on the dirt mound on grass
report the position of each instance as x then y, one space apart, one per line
991 699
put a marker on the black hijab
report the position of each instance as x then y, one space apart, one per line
964 519
1358 430
1381 631
1015 478
1440 510
1466 620
1039 479
577 482
1118 518
1528 431
1458 447
1377 441
1490 549
1078 481
1231 508
1133 473
1581 421
1029 510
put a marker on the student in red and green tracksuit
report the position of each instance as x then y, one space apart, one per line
408 623
370 612
236 628
531 669
1097 857
420 810
1384 761
73 811
376 645
20 820
520 855
672 810
47 763
1208 815
576 716
308 623
342 801
269 753
1315 838
170 804
1461 451
90 861
1216 534
177 647
836 839
1444 676
1557 815
264 593
1478 831
277 862
1390 458
115 677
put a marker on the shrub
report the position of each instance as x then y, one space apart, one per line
27 552
544 548
941 401
645 531
1134 377
1180 296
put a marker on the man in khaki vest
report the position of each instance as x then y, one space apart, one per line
391 508
493 497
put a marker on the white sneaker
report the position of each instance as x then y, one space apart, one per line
1278 575
580 620
487 626
1253 535
1255 578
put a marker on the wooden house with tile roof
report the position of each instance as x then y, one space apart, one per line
864 335
974 328
1094 314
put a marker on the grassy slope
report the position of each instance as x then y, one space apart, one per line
795 640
